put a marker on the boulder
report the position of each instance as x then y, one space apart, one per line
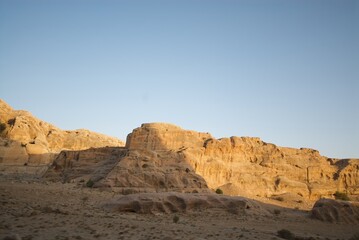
329 210
170 202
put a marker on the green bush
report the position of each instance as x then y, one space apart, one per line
219 191
90 183
341 196
286 234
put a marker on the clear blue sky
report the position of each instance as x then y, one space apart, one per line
285 71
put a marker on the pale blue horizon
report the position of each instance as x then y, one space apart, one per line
284 71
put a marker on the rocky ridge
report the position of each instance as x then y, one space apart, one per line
27 141
161 157
244 166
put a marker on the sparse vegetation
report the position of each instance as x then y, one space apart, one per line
175 219
219 191
276 211
11 122
2 127
280 199
89 183
286 234
341 196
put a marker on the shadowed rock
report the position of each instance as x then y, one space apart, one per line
171 202
329 210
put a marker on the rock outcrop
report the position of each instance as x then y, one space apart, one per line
152 166
28 141
171 202
329 210
85 165
238 165
160 157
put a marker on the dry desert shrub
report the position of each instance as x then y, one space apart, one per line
90 183
286 234
280 199
276 211
219 191
2 127
341 196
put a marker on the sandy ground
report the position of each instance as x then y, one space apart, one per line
42 210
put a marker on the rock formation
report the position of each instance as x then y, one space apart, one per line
329 210
160 157
181 203
152 166
238 165
85 165
28 141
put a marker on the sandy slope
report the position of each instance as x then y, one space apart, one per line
40 210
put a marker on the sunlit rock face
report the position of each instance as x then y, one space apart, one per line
155 162
26 140
161 157
246 165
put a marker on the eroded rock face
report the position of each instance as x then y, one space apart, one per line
329 210
152 165
148 171
164 137
26 140
81 166
239 165
180 203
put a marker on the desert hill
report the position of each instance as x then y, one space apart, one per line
161 157
27 140
78 184
238 165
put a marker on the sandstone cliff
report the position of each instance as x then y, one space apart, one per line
160 157
26 140
238 165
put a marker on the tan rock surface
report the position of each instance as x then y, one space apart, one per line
28 140
244 166
162 157
154 171
84 165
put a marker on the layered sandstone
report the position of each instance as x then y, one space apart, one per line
26 140
155 162
160 157
84 165
239 165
